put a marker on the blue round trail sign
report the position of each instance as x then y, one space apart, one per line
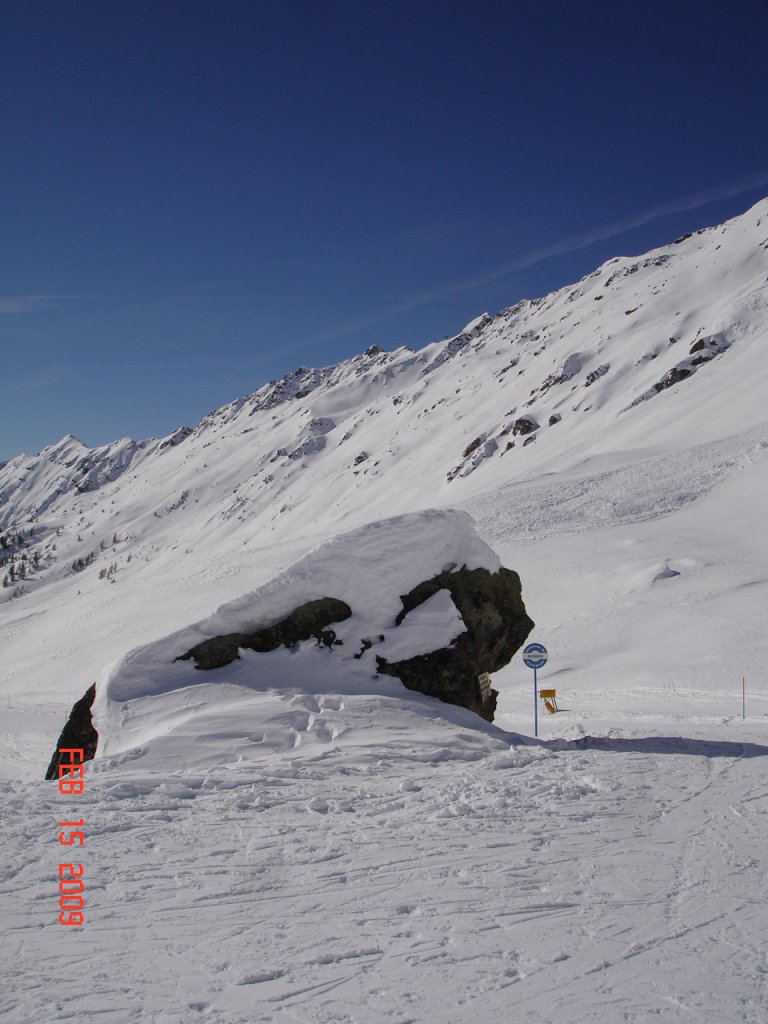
535 655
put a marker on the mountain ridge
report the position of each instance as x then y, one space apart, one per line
303 381
345 392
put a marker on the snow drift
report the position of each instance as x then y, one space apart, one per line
156 703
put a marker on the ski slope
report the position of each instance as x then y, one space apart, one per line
447 871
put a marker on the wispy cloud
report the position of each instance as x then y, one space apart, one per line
191 365
600 234
16 304
33 380
574 243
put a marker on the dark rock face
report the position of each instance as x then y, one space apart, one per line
601 370
492 608
524 425
310 620
472 446
674 376
78 733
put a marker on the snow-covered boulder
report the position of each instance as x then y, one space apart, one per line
495 625
419 597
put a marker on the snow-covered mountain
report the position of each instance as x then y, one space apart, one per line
652 354
610 441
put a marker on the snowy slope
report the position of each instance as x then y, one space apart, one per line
444 878
375 857
262 480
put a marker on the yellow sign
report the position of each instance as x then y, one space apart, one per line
550 700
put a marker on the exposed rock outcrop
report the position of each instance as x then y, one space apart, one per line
672 377
310 620
492 608
601 371
78 733
524 425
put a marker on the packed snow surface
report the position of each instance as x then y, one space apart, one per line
300 847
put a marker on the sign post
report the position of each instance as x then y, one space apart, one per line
535 657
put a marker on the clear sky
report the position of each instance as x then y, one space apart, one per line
199 195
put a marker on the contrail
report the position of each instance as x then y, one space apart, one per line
713 195
573 244
13 304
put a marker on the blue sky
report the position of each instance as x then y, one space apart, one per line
196 197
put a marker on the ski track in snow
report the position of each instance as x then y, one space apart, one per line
532 884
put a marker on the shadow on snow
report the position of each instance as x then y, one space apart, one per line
661 745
